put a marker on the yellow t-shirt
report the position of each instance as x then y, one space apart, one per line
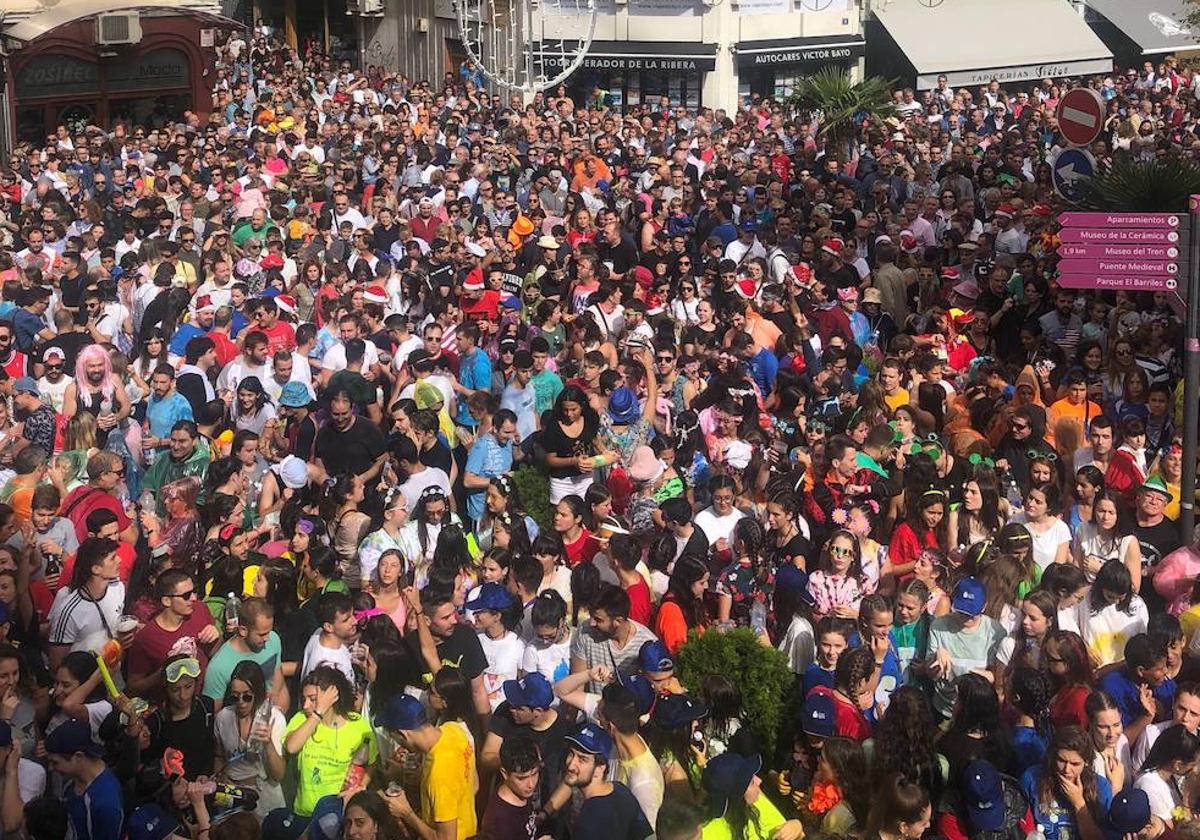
326 757
448 781
769 819
897 399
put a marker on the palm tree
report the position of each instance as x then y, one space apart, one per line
1135 186
841 104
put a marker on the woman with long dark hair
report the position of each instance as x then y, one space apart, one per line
1173 757
902 743
900 811
976 730
982 512
368 818
420 535
248 732
1108 535
1112 614
348 526
569 438
1066 659
682 609
1108 739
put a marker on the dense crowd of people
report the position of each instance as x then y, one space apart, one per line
372 449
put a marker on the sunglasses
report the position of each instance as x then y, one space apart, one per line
186 596
839 551
241 696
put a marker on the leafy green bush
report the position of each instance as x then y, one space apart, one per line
761 673
534 487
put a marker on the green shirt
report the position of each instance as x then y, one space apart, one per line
216 678
546 386
244 232
326 756
769 820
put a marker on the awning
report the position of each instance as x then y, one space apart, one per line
1154 25
29 26
821 50
679 56
972 42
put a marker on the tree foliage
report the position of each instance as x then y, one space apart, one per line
760 673
842 104
1133 186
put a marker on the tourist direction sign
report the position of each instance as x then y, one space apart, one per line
1118 252
1075 218
1121 236
1138 283
1119 266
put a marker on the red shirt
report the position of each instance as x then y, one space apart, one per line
82 501
282 336
582 550
640 609
1066 707
125 553
153 645
15 367
225 348
487 308
849 721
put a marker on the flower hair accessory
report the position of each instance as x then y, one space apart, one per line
839 516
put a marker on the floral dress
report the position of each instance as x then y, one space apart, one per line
745 584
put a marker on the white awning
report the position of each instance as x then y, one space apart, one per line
972 42
1156 26
25 23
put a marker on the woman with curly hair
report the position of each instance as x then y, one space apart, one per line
902 743
976 729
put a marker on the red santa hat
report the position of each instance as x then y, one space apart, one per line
747 288
951 272
287 303
474 280
909 242
833 246
1005 211
375 294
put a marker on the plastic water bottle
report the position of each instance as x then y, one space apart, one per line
146 502
1038 833
232 606
758 617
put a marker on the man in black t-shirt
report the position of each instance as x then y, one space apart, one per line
527 712
349 443
1157 536
609 811
457 644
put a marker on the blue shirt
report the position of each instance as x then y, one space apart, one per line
183 334
764 367
474 372
1124 691
1058 814
1029 747
815 676
487 459
26 325
523 403
163 414
97 814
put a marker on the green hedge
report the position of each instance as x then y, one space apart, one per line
534 487
761 673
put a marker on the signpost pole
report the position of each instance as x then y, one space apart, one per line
1191 382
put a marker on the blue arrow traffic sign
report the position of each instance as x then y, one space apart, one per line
1072 168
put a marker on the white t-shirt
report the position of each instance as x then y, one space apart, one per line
245 763
1106 632
1045 544
552 661
504 657
74 616
335 357
1162 795
316 654
717 527
1101 767
417 482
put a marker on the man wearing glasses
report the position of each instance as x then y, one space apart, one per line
179 623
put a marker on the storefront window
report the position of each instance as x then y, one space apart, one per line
151 111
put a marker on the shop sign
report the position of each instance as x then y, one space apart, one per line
161 68
828 54
634 62
47 76
1023 73
665 8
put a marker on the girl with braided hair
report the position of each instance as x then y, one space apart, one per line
1030 693
851 693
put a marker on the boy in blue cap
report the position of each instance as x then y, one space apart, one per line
93 795
491 609
528 711
966 640
447 774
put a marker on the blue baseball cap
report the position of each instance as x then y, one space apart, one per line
491 596
655 658
818 716
401 712
151 822
969 597
72 736
532 690
675 710
283 824
327 816
1129 811
983 795
726 777
789 578
591 739
643 692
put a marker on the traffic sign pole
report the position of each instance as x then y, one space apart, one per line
1191 381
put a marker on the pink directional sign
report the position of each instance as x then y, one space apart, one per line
1161 283
1127 220
1119 252
1139 267
1118 235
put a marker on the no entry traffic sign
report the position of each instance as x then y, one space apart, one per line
1080 115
